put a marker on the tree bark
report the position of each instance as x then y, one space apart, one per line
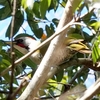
90 92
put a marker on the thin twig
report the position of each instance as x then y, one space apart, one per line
12 48
5 92
76 75
24 82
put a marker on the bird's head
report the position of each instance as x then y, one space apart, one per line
29 43
24 44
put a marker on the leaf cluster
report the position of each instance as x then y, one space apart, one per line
35 14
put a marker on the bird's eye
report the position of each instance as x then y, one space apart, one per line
19 40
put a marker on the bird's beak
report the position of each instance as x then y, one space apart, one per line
9 42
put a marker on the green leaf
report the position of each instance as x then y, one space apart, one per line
44 5
52 28
51 92
76 5
64 79
1 44
1 58
87 18
3 96
55 21
84 75
75 35
94 56
27 4
60 75
49 2
54 5
96 50
2 2
72 70
2 67
39 33
32 23
63 4
52 82
88 37
23 3
19 18
36 9
7 78
6 62
5 12
96 25
5 55
81 7
48 30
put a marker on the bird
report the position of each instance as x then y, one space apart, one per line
26 43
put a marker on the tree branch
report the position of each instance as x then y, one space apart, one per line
12 53
76 75
24 82
87 62
54 55
93 90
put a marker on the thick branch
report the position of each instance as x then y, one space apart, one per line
87 62
53 56
93 90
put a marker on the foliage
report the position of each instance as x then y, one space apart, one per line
35 13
